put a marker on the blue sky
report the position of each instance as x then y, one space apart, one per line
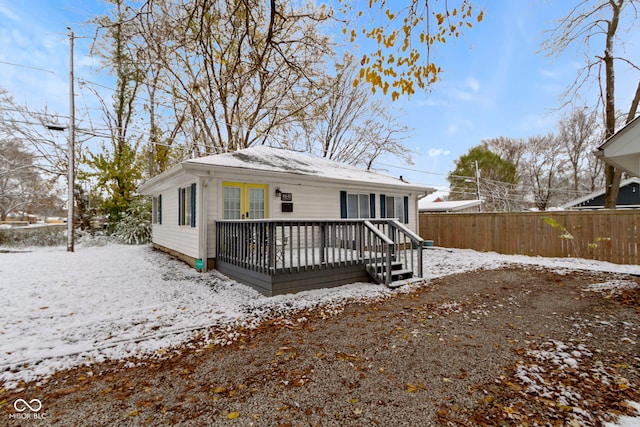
494 81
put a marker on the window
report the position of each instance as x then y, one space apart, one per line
395 207
156 209
352 206
187 205
364 205
357 205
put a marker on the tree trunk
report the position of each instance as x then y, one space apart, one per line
612 186
634 105
612 176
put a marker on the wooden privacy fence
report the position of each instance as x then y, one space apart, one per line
607 235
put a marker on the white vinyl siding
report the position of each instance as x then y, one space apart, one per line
170 234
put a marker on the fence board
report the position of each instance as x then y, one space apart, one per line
606 235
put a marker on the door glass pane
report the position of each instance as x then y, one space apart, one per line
364 206
399 209
352 206
390 209
232 203
256 203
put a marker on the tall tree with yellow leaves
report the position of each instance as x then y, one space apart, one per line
404 36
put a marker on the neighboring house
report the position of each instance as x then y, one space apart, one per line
622 150
284 221
440 206
628 197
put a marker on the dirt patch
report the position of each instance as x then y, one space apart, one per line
491 347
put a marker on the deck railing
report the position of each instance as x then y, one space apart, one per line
281 246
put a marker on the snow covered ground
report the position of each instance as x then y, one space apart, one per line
61 309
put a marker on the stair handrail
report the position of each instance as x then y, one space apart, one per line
378 233
417 241
406 230
388 250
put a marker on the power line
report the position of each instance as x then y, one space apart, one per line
27 66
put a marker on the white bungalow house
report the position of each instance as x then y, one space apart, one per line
284 221
622 150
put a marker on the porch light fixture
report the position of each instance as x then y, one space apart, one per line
278 192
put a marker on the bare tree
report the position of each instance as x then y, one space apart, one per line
348 124
509 149
22 188
587 23
544 169
579 135
40 129
236 69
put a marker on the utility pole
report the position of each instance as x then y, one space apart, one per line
71 150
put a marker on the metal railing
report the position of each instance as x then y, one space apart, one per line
281 246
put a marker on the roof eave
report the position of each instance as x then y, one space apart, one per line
617 135
147 187
192 167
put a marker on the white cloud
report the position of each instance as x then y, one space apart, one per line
538 123
548 73
4 10
473 83
452 130
460 94
436 152
429 102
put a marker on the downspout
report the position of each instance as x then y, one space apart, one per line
203 185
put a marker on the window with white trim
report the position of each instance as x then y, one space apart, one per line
156 209
187 205
358 206
394 207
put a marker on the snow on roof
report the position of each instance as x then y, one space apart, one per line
590 196
446 206
270 159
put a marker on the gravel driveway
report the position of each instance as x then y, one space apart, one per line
513 346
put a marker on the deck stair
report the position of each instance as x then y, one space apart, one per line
394 249
398 272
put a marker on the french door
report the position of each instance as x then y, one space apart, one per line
244 201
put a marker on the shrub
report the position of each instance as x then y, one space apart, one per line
134 226
51 235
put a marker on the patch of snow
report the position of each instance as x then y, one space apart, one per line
62 309
612 286
626 421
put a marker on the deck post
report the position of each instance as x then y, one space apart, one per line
323 243
272 246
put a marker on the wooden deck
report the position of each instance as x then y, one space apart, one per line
284 256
